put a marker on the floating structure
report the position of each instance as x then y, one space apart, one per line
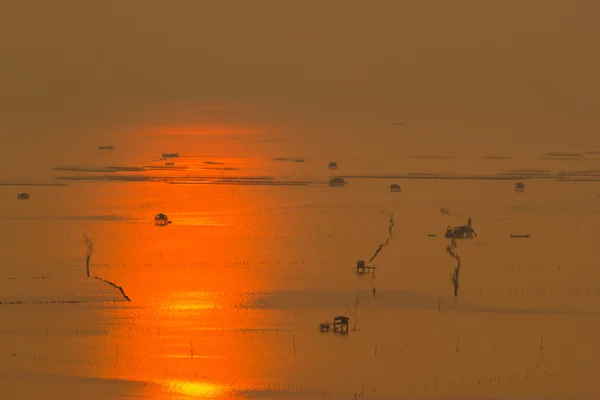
333 165
461 232
362 267
337 182
394 187
431 234
512 235
519 187
170 155
161 220
22 196
169 163
106 147
340 324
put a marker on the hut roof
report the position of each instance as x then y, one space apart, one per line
341 318
160 216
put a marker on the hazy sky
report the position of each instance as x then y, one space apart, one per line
71 67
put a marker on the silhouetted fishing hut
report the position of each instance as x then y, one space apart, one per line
22 196
394 187
362 267
333 165
461 232
340 324
519 187
161 220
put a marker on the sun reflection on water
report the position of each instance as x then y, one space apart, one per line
194 389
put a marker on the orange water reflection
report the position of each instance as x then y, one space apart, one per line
189 295
194 389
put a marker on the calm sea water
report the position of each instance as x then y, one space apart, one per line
226 301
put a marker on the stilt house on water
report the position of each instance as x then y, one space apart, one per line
161 220
394 187
461 232
340 324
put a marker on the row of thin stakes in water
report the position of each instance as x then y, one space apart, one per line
546 378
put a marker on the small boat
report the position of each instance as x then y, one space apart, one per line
519 236
337 182
431 234
170 155
22 196
333 165
169 163
106 147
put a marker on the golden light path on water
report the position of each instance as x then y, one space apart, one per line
189 298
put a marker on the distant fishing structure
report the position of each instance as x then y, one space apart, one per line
461 232
381 246
519 187
395 188
453 233
456 273
88 255
161 220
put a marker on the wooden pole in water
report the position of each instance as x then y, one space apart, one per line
457 342
294 338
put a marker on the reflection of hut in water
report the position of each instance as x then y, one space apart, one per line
340 324
519 187
161 220
22 196
337 182
394 187
333 165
